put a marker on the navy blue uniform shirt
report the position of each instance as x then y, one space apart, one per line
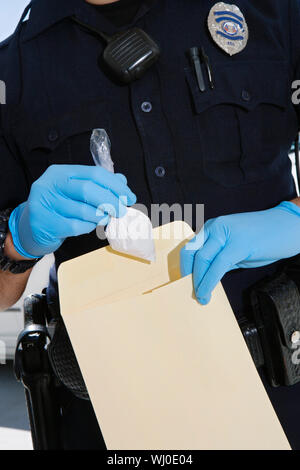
226 148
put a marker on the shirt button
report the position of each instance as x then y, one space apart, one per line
146 107
53 135
246 96
160 171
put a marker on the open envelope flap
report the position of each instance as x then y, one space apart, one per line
164 372
104 276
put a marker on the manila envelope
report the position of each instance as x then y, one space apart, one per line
162 371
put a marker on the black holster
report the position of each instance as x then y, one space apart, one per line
273 337
33 369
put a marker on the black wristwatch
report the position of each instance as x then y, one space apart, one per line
7 264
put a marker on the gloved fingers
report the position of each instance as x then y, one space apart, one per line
67 227
96 196
111 209
79 210
203 260
81 228
105 179
218 268
188 252
122 177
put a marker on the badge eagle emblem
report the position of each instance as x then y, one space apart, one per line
228 27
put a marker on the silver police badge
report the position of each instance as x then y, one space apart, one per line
228 27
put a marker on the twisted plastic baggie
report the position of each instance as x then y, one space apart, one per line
132 233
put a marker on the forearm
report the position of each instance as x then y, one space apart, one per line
12 286
296 201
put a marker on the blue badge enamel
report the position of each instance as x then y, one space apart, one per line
228 27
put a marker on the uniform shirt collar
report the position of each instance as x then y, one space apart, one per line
46 13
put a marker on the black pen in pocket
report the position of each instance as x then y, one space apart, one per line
195 58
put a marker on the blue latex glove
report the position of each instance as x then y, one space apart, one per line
67 201
248 240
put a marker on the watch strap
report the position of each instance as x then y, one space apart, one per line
7 264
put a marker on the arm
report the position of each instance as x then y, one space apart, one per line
247 240
13 190
12 286
66 201
296 201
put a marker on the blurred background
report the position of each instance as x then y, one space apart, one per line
14 425
10 12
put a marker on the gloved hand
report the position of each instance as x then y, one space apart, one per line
236 241
67 201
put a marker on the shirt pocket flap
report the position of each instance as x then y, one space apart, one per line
54 131
234 85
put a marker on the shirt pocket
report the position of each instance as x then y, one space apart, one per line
243 121
63 139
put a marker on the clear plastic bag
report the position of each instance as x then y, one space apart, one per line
131 234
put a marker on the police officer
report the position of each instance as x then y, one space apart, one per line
218 135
